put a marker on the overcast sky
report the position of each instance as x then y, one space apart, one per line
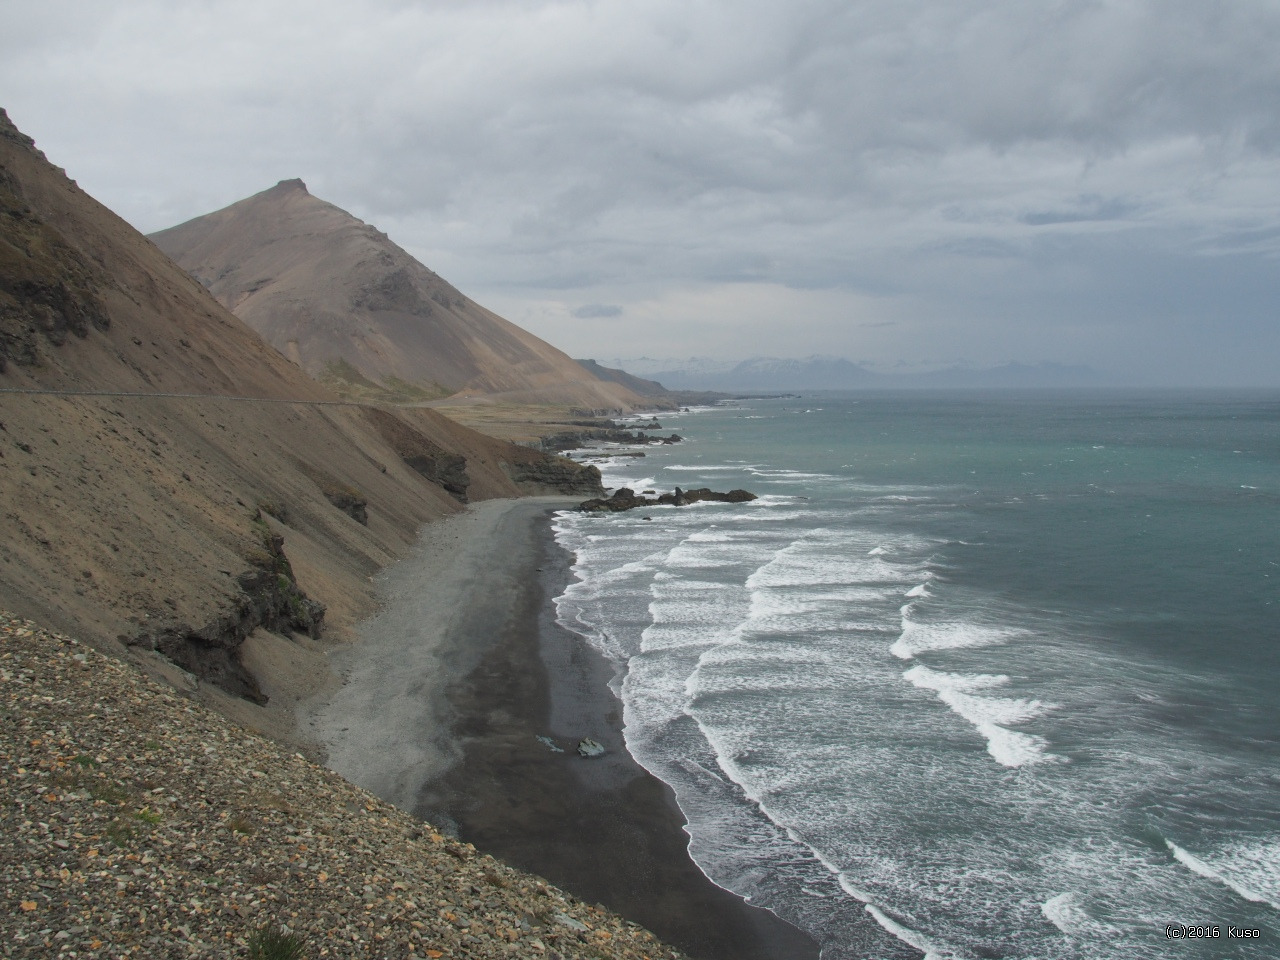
926 181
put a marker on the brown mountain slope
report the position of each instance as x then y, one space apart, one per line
637 385
219 498
328 290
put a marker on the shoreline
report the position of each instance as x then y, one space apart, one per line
603 829
443 700
386 726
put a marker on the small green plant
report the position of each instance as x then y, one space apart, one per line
108 792
494 878
239 824
85 761
147 815
274 943
119 833
272 800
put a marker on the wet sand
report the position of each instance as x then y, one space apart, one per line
602 828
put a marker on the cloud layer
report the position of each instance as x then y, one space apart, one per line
1092 182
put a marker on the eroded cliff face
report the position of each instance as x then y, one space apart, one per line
267 595
532 471
425 456
48 290
548 474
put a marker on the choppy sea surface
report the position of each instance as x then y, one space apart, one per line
978 676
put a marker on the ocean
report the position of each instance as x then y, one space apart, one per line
977 675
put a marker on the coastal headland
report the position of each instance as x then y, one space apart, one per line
185 503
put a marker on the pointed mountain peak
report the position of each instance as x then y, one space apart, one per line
10 132
289 186
328 290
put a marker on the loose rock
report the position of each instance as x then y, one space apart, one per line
136 823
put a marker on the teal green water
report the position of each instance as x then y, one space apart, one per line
977 676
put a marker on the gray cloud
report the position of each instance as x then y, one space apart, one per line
888 177
595 311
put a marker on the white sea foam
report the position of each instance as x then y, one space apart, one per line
989 715
930 949
798 568
919 591
690 764
1012 749
799 611
618 481
1256 866
783 475
1254 863
877 552
918 638
922 676
688 557
773 500
706 467
1065 913
709 536
1195 864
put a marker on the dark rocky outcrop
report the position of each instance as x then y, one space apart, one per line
626 499
350 502
542 473
531 470
575 439
449 470
339 493
269 597
48 290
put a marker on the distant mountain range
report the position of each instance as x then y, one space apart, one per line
345 303
774 375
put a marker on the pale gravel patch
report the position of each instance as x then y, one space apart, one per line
136 823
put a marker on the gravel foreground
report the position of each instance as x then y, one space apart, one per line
135 823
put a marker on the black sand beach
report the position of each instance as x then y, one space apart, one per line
602 829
